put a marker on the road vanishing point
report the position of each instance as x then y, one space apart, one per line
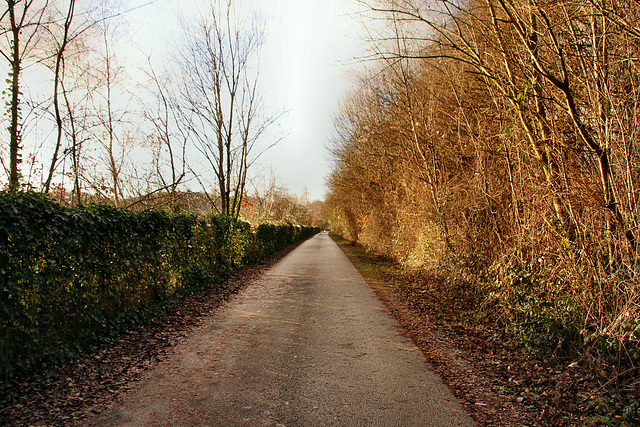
307 344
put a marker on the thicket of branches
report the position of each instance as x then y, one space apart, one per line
494 144
90 118
268 201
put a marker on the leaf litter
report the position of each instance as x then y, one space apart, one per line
498 380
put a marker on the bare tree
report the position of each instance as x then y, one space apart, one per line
19 26
168 143
58 76
221 102
69 52
110 117
560 67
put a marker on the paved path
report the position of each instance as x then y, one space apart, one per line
307 345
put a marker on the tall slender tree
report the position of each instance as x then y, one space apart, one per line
19 26
57 82
221 99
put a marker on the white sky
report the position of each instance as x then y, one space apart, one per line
306 69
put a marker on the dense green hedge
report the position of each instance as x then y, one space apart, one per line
271 238
72 278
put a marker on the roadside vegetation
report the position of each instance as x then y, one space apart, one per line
71 393
73 279
498 377
491 151
127 183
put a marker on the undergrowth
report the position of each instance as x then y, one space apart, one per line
537 319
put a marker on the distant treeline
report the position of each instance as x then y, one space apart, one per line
72 278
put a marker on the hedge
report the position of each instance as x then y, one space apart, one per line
73 278
271 238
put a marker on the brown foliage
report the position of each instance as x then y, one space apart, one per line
495 145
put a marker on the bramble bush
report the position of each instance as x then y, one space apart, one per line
73 278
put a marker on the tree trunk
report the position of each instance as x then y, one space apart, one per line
14 155
56 102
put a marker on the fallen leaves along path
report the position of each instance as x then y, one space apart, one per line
499 382
90 384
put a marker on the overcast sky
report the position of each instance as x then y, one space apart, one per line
307 66
309 46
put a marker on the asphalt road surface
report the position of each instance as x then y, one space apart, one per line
309 344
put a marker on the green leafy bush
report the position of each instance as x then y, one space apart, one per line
544 314
271 238
71 278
